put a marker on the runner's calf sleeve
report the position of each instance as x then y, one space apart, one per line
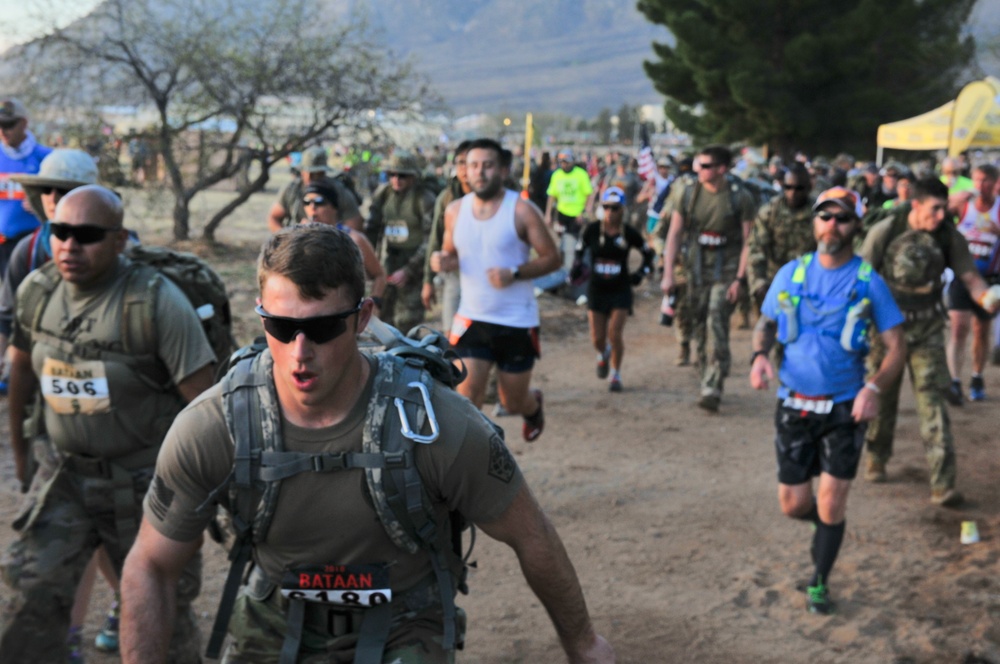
826 544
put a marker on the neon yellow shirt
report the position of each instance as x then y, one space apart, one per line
570 190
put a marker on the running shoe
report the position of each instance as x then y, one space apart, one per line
499 410
73 641
818 600
977 389
107 639
954 393
534 424
615 384
602 362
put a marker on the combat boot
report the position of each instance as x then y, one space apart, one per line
875 470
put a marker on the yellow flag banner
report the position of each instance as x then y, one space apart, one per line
529 135
973 104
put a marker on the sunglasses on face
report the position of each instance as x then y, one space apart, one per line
842 218
612 207
707 164
399 175
83 234
793 187
318 200
319 329
45 191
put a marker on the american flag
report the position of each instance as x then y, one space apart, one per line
647 165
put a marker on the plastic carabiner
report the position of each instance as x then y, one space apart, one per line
408 431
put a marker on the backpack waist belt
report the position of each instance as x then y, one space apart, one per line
102 468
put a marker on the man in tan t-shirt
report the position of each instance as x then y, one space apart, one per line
312 307
105 409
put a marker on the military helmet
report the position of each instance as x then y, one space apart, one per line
402 162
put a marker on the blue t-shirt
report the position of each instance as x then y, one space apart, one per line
15 219
815 364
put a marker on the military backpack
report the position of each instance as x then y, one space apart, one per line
407 371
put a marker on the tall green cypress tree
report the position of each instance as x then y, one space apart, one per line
814 75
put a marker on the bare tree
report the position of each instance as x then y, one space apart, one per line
229 80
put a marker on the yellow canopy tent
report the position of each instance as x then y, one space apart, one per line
971 120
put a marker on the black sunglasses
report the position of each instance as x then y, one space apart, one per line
793 187
316 200
842 218
83 233
399 175
612 207
319 329
48 190
710 164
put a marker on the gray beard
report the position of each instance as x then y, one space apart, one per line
830 248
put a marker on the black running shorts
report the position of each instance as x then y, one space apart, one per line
808 443
958 298
603 302
514 349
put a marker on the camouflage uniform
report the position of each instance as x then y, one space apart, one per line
711 270
399 226
911 262
779 234
450 290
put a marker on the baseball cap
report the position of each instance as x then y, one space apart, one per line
842 197
613 195
12 109
565 155
325 189
313 160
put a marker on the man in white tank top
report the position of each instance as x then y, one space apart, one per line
488 237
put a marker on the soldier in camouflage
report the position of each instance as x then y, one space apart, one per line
105 413
320 389
782 231
910 249
399 227
715 216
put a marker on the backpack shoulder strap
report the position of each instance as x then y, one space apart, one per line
252 428
34 297
139 310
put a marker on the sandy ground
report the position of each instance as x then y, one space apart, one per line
671 518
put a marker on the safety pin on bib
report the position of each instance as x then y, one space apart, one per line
408 432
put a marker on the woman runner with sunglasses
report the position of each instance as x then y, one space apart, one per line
609 291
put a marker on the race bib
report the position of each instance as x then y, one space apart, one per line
607 269
78 388
397 232
710 239
459 325
349 586
981 249
820 406
10 190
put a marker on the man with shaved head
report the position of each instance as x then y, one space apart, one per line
109 393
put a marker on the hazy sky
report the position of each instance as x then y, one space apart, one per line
25 19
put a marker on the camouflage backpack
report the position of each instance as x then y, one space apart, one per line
913 261
406 374
195 278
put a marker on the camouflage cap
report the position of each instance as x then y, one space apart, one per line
314 161
12 109
402 162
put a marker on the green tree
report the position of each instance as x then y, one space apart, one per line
810 74
627 118
224 82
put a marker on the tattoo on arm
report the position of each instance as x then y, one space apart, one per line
764 334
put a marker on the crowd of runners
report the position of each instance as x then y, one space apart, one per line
849 273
